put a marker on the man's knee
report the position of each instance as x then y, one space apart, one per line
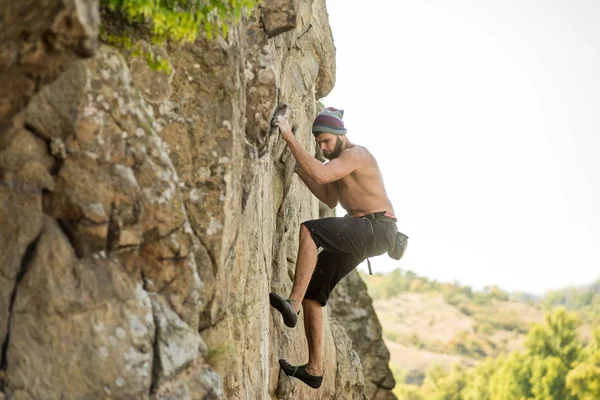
310 303
304 230
305 234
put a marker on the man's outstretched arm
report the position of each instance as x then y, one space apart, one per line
327 193
318 172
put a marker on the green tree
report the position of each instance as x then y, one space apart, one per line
556 338
548 379
403 390
407 392
583 381
595 342
554 348
478 382
511 381
441 384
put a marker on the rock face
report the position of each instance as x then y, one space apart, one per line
106 297
145 217
353 308
38 41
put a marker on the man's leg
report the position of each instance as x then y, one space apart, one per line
305 266
338 235
331 267
313 326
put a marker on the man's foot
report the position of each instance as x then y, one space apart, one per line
301 372
286 308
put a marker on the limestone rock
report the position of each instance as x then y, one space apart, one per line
353 308
38 41
82 322
325 49
21 213
77 302
278 16
177 344
349 379
197 382
53 112
116 190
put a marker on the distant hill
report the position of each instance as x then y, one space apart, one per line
428 323
585 300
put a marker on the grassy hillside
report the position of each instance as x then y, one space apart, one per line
429 325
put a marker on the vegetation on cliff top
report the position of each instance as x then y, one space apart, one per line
179 21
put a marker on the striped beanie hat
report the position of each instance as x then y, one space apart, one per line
330 121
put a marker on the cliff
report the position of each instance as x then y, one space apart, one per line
145 217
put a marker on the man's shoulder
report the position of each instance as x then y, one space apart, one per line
361 155
361 158
357 151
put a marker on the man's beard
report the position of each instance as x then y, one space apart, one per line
335 153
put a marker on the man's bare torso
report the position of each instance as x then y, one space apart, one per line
363 192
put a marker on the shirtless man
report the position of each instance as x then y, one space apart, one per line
352 178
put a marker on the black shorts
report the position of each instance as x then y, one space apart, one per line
346 242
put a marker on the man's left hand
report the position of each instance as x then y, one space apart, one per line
284 127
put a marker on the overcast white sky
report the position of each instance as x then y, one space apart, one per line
485 119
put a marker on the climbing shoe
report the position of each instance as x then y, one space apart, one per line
300 372
285 307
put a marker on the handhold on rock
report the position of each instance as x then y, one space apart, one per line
285 386
284 110
282 154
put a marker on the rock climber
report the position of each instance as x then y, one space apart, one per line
352 178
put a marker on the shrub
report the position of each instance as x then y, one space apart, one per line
175 20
